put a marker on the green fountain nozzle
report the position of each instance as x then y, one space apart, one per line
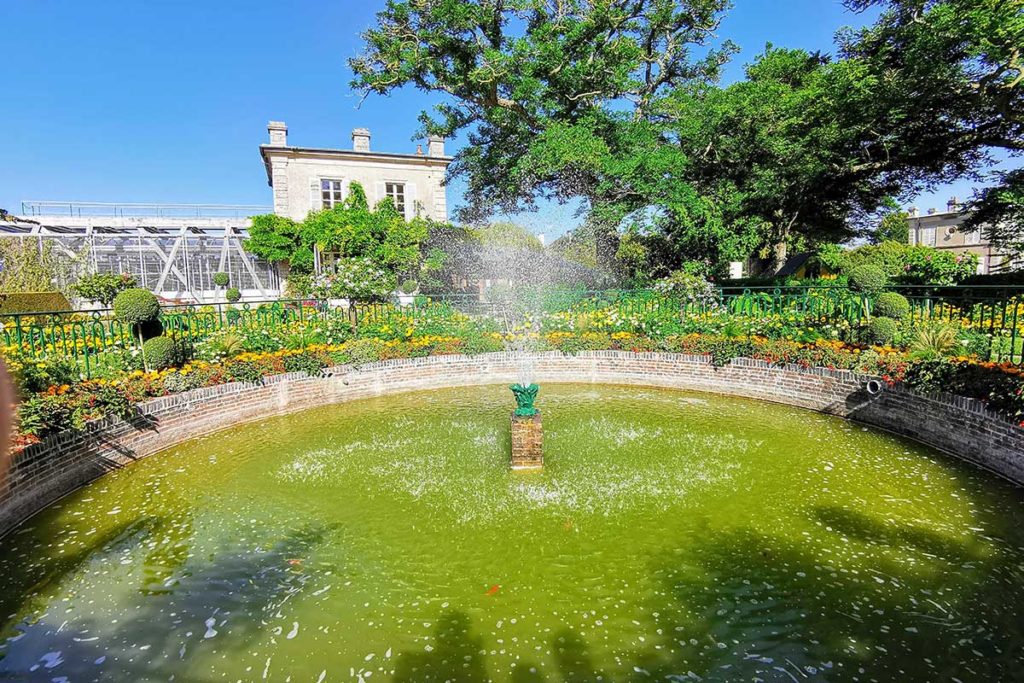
525 396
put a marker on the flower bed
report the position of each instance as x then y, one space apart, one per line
71 405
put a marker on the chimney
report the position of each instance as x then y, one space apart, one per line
913 212
278 133
953 204
361 140
435 146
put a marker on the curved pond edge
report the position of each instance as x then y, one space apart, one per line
45 472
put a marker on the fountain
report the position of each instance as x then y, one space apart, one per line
527 430
669 532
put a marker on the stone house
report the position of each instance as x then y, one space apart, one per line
940 229
308 179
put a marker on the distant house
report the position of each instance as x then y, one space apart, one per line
308 179
941 229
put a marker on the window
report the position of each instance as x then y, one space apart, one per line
973 237
396 191
928 237
330 193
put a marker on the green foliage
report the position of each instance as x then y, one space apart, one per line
233 295
931 342
103 287
903 263
692 290
26 265
893 227
304 362
881 330
351 229
221 279
299 284
160 353
868 279
363 351
1000 210
33 302
136 306
891 305
569 103
409 286
244 371
30 378
939 89
228 345
274 238
354 278
507 234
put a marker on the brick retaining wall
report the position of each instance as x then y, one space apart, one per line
46 471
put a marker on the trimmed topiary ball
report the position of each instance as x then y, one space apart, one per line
221 279
160 353
136 306
891 305
881 330
233 295
868 278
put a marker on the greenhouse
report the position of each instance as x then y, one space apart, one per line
173 250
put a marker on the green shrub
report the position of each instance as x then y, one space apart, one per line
33 302
477 344
868 279
232 295
298 284
881 330
931 342
362 351
221 279
103 287
31 378
136 306
176 382
304 362
409 286
244 371
160 353
891 305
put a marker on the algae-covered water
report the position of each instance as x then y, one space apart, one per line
671 536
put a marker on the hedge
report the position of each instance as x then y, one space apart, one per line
33 302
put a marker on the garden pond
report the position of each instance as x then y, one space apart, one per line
671 536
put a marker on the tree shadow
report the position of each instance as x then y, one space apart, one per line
176 621
762 607
455 654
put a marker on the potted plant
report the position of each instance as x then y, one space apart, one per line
407 292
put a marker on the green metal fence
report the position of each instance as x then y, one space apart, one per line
996 312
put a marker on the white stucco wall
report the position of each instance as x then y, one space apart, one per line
295 175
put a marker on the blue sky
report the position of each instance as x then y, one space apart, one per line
168 102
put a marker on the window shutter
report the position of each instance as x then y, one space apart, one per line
410 201
379 193
314 195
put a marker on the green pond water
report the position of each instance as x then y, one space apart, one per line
671 536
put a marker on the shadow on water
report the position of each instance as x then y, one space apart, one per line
760 607
156 640
458 656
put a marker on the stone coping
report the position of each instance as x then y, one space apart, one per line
44 472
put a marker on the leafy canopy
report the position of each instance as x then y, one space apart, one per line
350 229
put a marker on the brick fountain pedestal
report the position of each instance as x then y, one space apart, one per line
527 441
527 431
